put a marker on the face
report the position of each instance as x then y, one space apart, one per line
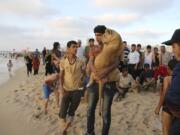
91 43
155 50
125 44
133 48
125 73
73 49
79 43
148 50
146 68
176 50
163 49
138 48
99 37
58 47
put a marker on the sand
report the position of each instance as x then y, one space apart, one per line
21 111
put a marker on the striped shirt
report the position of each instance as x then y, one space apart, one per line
126 53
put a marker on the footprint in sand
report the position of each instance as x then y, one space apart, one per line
15 91
37 115
7 101
126 103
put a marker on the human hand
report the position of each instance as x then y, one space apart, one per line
157 110
101 74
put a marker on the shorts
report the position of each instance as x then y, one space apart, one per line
47 91
69 104
166 109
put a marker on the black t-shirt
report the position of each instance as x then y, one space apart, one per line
48 59
57 53
28 60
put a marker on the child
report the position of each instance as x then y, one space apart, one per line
147 77
10 65
125 83
71 74
166 115
49 86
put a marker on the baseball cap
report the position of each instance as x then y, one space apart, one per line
175 38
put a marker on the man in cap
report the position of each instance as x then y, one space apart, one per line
173 94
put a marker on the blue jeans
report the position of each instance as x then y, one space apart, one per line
93 96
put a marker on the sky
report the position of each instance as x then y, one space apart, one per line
31 24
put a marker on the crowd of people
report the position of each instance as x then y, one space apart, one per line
74 75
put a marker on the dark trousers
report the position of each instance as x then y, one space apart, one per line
131 70
48 69
29 68
175 127
69 104
108 91
36 71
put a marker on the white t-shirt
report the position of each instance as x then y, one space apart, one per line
148 57
80 53
126 81
165 58
133 57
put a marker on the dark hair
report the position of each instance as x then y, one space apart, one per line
155 64
100 29
138 45
71 43
55 45
91 40
148 47
124 68
172 63
146 65
155 48
124 42
133 45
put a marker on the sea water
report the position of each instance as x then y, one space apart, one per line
4 73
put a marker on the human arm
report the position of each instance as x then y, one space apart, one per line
54 57
118 88
51 78
103 72
83 71
61 78
163 94
91 64
160 59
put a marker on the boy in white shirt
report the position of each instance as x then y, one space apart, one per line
133 61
